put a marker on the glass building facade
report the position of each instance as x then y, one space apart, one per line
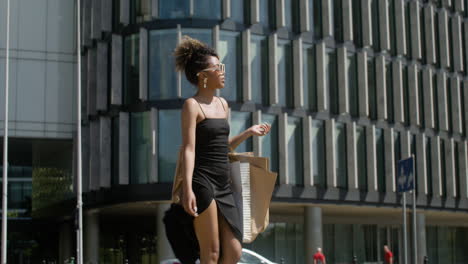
350 88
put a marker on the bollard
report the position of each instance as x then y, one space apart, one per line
354 260
426 260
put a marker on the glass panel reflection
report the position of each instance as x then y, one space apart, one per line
229 51
270 141
240 121
162 75
140 147
295 148
169 142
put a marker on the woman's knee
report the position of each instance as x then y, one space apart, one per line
232 253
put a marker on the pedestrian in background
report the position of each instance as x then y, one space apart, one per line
388 255
319 258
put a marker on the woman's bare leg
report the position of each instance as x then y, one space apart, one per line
231 248
206 229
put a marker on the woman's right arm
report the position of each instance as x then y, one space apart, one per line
189 122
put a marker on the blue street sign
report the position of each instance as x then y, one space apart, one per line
405 175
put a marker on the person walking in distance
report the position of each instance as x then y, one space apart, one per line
388 255
319 258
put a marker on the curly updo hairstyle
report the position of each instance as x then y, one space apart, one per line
191 57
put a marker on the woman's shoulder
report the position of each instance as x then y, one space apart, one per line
223 100
190 104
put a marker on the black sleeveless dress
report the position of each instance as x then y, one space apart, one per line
211 178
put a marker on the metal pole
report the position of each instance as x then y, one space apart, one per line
5 144
405 242
79 205
415 245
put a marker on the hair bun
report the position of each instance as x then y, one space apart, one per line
184 51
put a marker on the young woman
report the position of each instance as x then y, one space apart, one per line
206 191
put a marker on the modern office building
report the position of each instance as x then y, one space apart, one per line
350 87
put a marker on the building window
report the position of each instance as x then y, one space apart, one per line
230 53
447 244
407 25
406 95
380 148
140 147
173 9
269 142
357 23
463 107
162 76
435 98
210 9
237 11
267 13
169 142
361 157
131 68
295 150
331 85
389 86
291 13
391 20
204 35
421 98
141 11
449 103
285 78
340 156
443 168
240 121
429 180
374 5
397 151
259 68
316 18
337 18
115 150
415 153
280 242
351 69
309 77
371 85
318 153
422 39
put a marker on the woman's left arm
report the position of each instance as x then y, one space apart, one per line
255 130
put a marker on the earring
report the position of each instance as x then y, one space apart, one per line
204 82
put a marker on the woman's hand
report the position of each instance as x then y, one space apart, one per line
189 202
260 130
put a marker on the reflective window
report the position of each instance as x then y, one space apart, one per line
259 68
449 103
309 77
340 156
315 12
174 8
318 153
447 244
267 13
407 25
374 5
397 151
140 11
443 168
285 78
291 13
294 144
237 10
169 142
240 121
361 157
353 94
204 35
131 63
429 177
331 85
337 19
213 11
140 147
435 102
406 94
115 151
280 242
357 23
457 168
229 51
391 19
389 86
270 142
162 74
380 148
421 98
372 88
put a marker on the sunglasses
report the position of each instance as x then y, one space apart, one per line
219 68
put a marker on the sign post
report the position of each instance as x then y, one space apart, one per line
405 184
